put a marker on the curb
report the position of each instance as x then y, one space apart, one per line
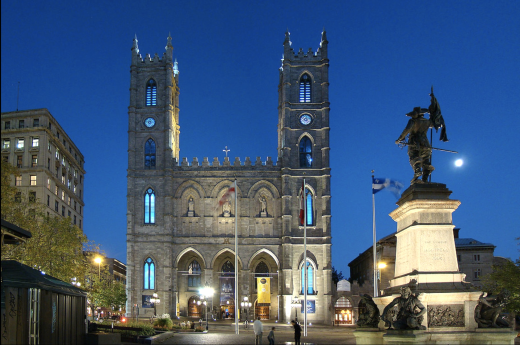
159 338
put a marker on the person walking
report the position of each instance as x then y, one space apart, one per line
297 332
258 328
270 337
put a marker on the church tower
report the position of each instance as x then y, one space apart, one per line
153 148
303 144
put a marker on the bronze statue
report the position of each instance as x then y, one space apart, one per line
370 317
409 314
488 312
419 147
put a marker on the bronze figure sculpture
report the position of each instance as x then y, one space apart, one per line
488 312
419 147
409 314
370 317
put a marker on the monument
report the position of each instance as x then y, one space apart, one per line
428 300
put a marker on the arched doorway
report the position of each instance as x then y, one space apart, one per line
194 307
262 308
343 312
227 291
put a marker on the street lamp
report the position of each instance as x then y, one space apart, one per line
295 304
245 306
380 266
155 300
207 292
98 261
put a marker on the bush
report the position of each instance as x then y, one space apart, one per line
163 322
147 329
199 329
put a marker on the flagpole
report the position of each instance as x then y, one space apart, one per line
304 259
236 259
374 236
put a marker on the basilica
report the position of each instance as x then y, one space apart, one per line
181 239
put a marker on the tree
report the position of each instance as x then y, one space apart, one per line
56 246
506 277
336 277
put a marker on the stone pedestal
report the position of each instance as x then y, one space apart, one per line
405 337
369 336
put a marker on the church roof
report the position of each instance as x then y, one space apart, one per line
471 242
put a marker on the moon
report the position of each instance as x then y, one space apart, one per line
459 162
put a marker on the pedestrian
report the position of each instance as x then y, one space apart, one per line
258 328
270 337
297 332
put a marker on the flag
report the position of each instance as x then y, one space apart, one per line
302 204
229 194
378 184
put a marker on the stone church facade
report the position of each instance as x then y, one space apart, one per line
179 240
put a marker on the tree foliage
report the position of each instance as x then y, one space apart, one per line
336 277
506 277
56 245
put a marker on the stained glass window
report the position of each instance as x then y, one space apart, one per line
310 278
149 274
305 152
149 154
149 207
151 93
305 89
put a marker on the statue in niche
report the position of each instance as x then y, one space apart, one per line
419 147
369 318
488 312
226 208
191 207
263 206
409 314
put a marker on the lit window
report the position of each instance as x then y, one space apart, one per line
310 278
56 190
149 207
151 92
57 153
6 144
149 154
34 161
19 161
49 183
305 152
63 195
20 143
194 274
33 180
149 274
18 181
35 141
305 89
309 206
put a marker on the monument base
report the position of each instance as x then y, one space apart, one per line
369 336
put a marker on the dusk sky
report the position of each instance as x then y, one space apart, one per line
73 58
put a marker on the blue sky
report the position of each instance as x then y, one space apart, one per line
73 57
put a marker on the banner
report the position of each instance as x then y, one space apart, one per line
264 290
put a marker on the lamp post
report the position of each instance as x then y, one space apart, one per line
295 304
207 292
98 261
380 266
155 300
245 304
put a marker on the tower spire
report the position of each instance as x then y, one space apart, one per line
135 46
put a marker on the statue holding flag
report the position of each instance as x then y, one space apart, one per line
419 147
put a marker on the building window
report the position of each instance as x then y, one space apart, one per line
309 206
33 180
305 152
476 273
48 163
476 257
48 200
68 214
310 278
194 274
19 160
261 271
62 195
21 124
6 144
18 181
34 160
305 89
149 207
56 206
149 274
32 196
458 258
56 189
18 197
80 223
151 93
35 141
20 144
7 125
149 154
36 122
63 211
74 220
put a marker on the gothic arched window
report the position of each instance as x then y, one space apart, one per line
149 154
151 93
149 274
261 271
305 152
310 278
194 274
309 207
149 206
305 89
